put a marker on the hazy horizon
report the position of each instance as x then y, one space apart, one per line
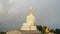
13 13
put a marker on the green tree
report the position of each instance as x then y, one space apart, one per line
39 27
52 30
2 32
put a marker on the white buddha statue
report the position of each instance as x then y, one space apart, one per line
30 17
29 21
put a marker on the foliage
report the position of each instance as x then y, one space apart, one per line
57 31
39 27
2 32
52 30
42 29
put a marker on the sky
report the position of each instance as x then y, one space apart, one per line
13 13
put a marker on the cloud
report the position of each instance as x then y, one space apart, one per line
47 12
11 1
1 9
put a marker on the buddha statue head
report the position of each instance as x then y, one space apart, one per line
30 11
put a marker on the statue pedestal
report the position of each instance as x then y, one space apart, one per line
33 28
28 28
30 31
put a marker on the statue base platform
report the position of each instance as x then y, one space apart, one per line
28 28
30 31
